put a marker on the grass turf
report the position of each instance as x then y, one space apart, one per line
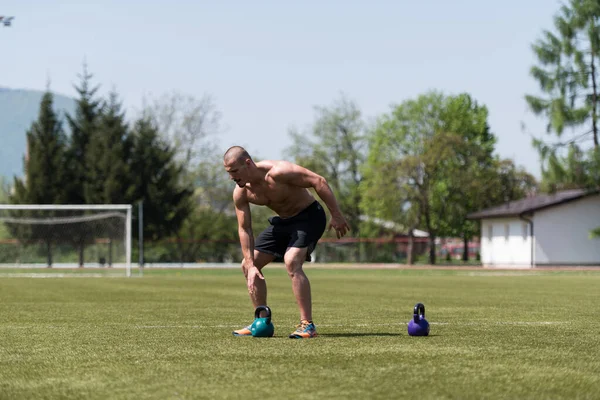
167 335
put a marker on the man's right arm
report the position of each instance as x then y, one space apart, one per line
242 211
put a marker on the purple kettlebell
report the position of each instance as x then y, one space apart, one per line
418 326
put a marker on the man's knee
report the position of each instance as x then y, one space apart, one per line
294 259
294 266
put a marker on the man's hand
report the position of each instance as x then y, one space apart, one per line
338 222
253 274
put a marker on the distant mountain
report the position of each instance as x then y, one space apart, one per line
18 109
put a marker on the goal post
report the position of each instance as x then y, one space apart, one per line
49 235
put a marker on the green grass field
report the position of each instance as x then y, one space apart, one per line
167 335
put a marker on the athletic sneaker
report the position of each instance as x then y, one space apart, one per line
305 330
243 332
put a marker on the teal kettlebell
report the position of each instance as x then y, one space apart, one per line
262 326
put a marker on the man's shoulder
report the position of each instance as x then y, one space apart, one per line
268 164
275 166
239 194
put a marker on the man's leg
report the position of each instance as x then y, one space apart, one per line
294 259
259 294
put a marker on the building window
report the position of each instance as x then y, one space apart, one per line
490 231
506 231
524 229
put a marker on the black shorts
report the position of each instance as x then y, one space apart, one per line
302 230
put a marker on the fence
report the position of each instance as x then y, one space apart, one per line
346 250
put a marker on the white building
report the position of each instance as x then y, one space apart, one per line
545 230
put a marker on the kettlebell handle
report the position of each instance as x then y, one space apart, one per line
419 312
263 308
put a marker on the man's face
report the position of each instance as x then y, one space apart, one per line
238 171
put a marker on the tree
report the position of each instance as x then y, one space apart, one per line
44 163
4 190
206 235
398 171
186 122
465 174
335 148
509 183
45 171
429 162
4 199
84 125
158 182
567 74
577 169
108 177
211 225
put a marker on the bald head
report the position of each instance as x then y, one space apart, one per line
236 154
239 165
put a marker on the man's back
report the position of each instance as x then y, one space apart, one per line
278 190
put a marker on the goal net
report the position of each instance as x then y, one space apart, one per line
65 236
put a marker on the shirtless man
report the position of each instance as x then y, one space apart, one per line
292 235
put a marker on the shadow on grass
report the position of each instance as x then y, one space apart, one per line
359 334
380 334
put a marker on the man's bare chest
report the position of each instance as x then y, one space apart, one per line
268 194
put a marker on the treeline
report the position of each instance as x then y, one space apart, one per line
160 160
424 165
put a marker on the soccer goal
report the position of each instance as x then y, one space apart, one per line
65 236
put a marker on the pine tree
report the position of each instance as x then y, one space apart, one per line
108 179
84 125
45 160
158 182
44 171
573 171
567 72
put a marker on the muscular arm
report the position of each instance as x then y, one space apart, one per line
242 211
